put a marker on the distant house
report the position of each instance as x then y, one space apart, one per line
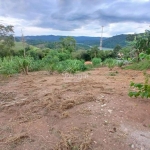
120 55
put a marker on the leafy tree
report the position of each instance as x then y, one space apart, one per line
81 55
6 40
127 53
131 37
93 52
68 44
116 50
141 89
85 56
64 56
141 44
103 54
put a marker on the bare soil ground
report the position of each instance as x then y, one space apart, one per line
86 111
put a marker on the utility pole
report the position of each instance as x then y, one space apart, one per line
23 43
101 38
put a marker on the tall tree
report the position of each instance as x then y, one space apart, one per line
93 51
142 44
6 40
116 50
68 44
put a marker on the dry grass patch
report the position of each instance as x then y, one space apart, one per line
65 114
67 104
59 103
16 139
85 112
71 142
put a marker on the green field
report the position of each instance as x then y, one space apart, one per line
19 45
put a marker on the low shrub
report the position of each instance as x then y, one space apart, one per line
9 66
110 63
120 63
142 65
140 89
96 62
70 66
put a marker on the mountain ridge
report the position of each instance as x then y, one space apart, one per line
109 42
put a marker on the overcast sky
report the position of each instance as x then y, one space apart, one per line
76 17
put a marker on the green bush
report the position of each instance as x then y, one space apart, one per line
51 57
53 61
36 65
142 65
120 63
96 62
36 54
8 66
71 66
11 65
140 89
110 63
63 56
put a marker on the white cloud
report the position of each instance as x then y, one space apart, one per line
76 17
109 30
12 21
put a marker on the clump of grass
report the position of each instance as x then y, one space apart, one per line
110 63
65 114
17 139
113 73
14 65
67 104
142 65
96 62
120 64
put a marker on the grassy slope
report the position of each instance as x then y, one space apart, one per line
18 46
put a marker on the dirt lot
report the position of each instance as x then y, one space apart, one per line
86 111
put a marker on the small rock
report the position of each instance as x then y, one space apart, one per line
105 122
110 111
132 145
103 105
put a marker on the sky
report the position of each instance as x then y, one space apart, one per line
76 17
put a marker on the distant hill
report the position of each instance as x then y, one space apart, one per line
113 41
85 40
81 40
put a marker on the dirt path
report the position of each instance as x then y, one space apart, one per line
86 111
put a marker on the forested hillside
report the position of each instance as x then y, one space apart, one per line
84 40
115 40
109 42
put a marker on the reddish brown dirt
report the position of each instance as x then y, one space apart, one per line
86 111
